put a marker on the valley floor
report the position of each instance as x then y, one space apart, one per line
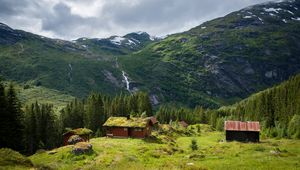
213 153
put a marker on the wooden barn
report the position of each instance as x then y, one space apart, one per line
242 131
134 127
84 133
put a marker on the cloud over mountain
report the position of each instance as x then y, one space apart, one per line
70 19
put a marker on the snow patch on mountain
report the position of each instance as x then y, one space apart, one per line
117 40
130 42
296 19
247 17
276 10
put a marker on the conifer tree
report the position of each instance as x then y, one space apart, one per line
95 112
14 120
4 121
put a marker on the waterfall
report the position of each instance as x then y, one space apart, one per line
70 72
126 80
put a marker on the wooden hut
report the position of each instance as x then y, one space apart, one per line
84 133
129 127
242 131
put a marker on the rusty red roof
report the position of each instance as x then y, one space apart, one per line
241 126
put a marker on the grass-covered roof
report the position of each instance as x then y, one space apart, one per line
80 131
124 122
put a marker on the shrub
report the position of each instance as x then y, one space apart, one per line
294 127
220 124
194 145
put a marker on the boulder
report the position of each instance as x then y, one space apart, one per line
82 148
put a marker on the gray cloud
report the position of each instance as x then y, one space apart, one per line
70 19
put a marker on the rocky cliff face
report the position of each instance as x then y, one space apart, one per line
225 59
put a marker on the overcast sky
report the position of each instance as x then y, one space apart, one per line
71 19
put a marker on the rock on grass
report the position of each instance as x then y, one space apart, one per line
82 148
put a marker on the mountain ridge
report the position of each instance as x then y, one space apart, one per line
216 63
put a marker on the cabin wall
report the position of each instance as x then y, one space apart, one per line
137 132
243 136
118 131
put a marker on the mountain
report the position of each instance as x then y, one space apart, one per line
277 109
118 45
217 63
74 67
223 60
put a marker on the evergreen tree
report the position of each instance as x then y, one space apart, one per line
30 132
95 112
144 103
15 127
4 121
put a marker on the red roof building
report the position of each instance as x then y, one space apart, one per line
242 131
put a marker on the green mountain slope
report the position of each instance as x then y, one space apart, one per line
223 60
273 106
56 64
219 62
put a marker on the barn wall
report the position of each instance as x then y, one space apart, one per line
243 136
118 131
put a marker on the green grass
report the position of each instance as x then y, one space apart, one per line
213 153
14 161
31 94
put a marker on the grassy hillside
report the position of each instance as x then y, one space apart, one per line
217 63
223 60
28 94
56 64
10 159
213 153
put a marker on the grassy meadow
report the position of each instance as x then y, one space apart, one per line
174 152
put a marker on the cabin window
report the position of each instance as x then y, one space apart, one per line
138 130
125 129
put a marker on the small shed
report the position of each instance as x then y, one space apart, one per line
84 133
134 127
242 131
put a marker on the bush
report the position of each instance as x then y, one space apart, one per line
294 127
220 124
194 145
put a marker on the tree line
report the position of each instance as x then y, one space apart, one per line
35 126
94 111
277 109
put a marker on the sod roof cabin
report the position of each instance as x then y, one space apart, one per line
83 133
242 131
134 127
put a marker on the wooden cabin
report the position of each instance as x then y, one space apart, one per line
242 131
134 127
84 133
